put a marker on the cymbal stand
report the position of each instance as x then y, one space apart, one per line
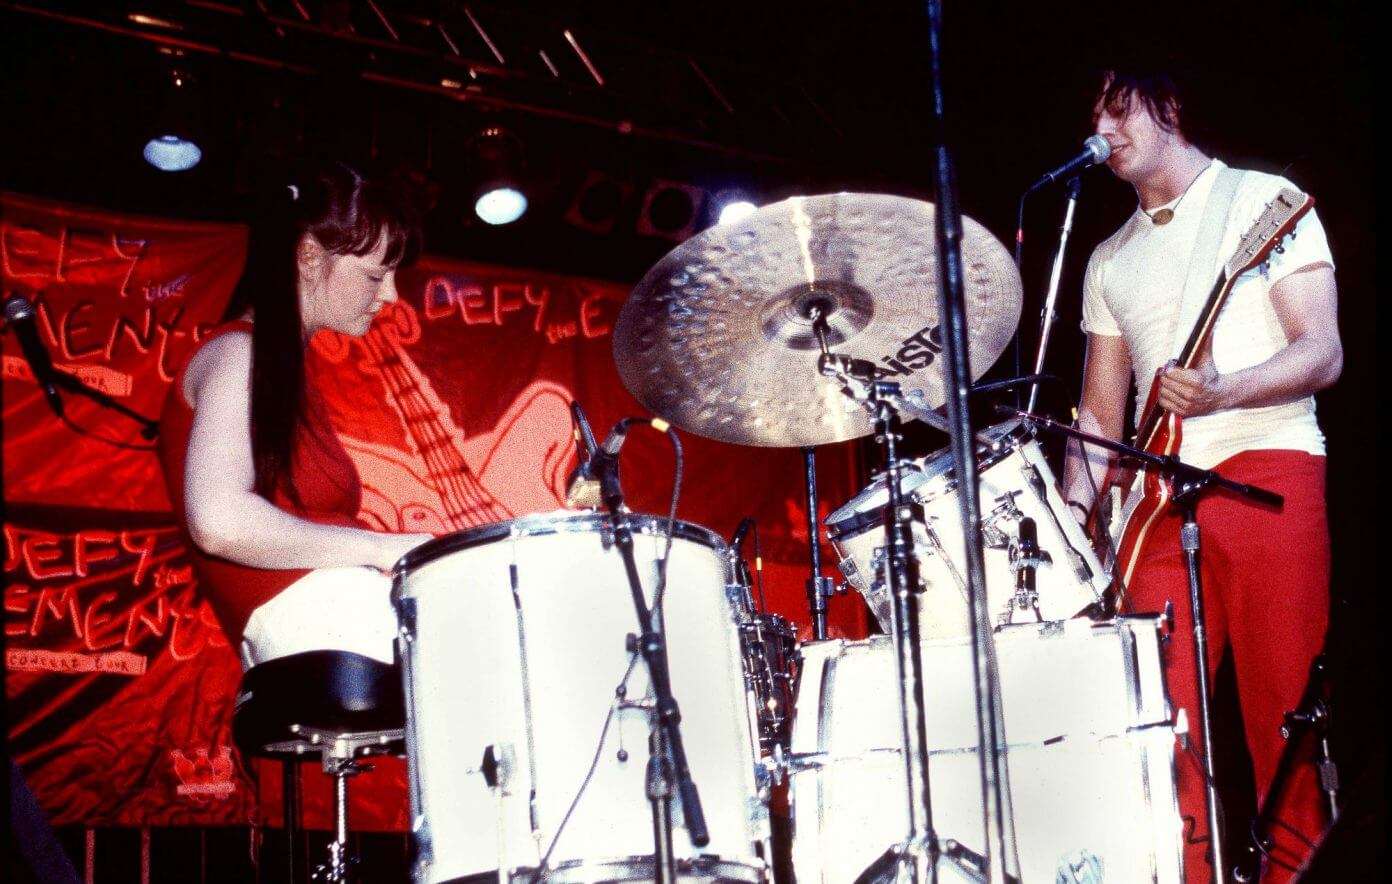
918 856
819 588
1190 484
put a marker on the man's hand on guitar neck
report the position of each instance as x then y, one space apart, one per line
1189 392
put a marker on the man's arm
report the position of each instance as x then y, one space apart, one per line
1102 412
1306 304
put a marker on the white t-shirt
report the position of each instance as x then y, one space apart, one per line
1133 287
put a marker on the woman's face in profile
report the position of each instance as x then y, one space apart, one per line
348 291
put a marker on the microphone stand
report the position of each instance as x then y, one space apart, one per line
149 429
1190 484
667 761
990 719
1047 317
1311 714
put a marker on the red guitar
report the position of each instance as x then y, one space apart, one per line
1159 431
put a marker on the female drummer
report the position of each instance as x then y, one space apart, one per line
264 492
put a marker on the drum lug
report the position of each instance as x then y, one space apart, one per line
771 769
406 614
739 602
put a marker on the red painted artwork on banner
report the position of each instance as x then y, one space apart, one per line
455 410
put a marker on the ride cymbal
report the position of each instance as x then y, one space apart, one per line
718 339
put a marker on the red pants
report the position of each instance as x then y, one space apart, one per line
1266 591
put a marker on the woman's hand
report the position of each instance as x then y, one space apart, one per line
394 546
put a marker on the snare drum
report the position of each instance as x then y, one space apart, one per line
514 638
1016 483
1090 753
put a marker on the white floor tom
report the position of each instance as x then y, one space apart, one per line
514 638
1016 483
1090 754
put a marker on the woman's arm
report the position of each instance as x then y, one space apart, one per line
226 517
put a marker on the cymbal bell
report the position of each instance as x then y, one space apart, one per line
718 337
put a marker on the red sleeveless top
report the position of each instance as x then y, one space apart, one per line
325 478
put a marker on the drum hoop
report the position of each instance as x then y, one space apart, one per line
709 864
543 524
860 521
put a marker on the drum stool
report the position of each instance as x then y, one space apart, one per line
335 704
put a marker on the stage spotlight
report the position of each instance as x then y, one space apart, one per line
501 205
170 153
173 147
497 166
736 211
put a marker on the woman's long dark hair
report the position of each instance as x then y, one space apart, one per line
348 214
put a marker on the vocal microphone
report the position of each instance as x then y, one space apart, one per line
19 313
1096 149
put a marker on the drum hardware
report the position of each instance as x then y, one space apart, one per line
1082 571
1025 558
1310 715
1091 753
819 587
1016 479
668 767
768 644
713 331
339 754
921 851
1190 483
480 577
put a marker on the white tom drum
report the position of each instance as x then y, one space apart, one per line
1016 483
514 638
1090 755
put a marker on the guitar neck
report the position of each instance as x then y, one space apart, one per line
1189 355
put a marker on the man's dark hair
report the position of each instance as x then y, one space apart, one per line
1164 86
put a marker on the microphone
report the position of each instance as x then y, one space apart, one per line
1028 559
584 436
737 539
582 486
19 313
598 478
1096 149
1025 558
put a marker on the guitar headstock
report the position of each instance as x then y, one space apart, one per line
1275 223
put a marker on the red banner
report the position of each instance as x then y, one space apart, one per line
454 409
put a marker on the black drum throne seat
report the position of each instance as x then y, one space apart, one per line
337 705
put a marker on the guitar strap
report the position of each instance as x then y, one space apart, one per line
1198 283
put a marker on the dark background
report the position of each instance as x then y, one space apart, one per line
813 97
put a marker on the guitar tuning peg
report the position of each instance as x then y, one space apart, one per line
1280 249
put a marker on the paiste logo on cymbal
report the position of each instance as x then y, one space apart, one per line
917 351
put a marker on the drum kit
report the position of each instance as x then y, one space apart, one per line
548 744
